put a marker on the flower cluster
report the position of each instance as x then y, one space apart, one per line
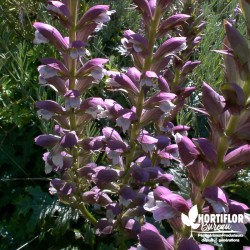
140 140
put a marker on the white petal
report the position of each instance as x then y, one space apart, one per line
98 73
137 48
48 168
178 137
57 160
45 114
167 106
46 72
123 123
39 38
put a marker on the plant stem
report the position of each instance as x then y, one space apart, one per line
87 214
73 124
135 129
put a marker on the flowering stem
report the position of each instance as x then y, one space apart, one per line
176 79
72 84
152 37
72 37
87 214
223 146
135 129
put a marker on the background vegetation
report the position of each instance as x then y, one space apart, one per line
30 217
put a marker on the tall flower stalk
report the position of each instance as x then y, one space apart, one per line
140 141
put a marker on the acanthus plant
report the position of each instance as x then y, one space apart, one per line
141 140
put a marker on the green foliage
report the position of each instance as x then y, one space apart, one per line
211 68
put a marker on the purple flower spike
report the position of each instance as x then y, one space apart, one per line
47 140
69 140
51 34
171 46
188 244
217 198
171 22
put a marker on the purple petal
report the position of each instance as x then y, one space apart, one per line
188 244
125 82
47 140
111 134
104 227
50 106
238 43
91 14
215 194
239 156
107 175
163 84
152 240
171 22
69 140
187 149
158 98
52 34
171 46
